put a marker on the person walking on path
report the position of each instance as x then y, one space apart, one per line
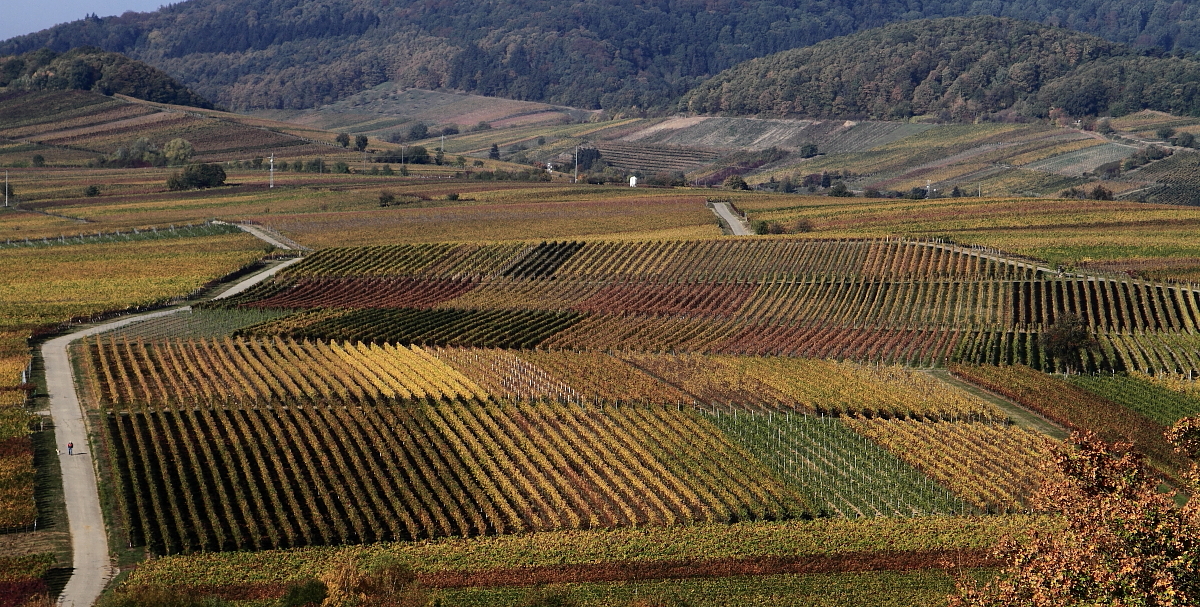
70 448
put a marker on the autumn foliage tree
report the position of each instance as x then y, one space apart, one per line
1123 542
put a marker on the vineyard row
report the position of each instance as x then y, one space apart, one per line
709 260
238 478
1099 303
132 374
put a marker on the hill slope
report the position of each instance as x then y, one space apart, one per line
292 54
957 68
91 69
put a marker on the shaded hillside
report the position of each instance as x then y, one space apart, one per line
957 69
91 69
619 54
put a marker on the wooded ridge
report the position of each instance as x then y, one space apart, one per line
91 69
613 54
954 69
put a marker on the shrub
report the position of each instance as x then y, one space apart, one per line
386 198
418 131
38 160
735 182
91 191
197 176
840 190
311 592
1101 193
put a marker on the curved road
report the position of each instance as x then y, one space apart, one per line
89 539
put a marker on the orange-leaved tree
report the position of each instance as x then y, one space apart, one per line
1122 542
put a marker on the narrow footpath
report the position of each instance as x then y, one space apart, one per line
89 539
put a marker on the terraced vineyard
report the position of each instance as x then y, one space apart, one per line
1176 178
1076 163
654 158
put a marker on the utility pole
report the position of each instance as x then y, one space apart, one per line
576 165
5 188
272 169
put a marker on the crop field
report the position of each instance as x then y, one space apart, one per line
1082 161
1072 232
991 466
45 286
1147 121
236 443
1049 149
1153 397
18 507
502 221
318 475
654 158
264 574
870 589
371 110
883 301
830 136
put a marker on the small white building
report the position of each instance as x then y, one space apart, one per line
633 181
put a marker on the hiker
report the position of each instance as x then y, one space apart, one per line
70 448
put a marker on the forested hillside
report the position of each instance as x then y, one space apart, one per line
617 54
91 69
958 69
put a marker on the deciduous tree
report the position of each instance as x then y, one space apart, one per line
1123 541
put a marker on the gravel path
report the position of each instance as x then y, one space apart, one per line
255 279
735 223
89 539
